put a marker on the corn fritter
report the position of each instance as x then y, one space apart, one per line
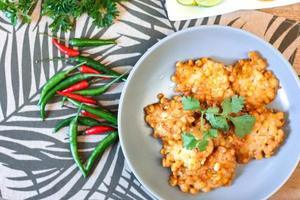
211 82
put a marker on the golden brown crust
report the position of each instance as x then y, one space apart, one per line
217 171
252 80
167 118
264 139
204 79
211 82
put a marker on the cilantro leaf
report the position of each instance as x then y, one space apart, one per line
190 103
202 145
237 104
243 124
213 110
232 105
210 133
213 133
189 141
226 106
218 122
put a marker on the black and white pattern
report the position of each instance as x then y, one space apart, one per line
37 164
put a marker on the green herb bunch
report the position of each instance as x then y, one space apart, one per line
63 12
218 119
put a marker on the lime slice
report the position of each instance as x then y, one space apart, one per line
187 2
208 3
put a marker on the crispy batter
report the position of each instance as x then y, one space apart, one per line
211 82
217 171
251 80
175 155
264 139
167 118
173 151
204 79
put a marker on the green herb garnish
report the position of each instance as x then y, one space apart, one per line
190 142
190 103
243 124
64 12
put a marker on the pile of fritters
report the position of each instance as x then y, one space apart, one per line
211 82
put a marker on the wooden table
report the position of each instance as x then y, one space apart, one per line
290 12
291 189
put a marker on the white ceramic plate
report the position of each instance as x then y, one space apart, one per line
179 12
151 75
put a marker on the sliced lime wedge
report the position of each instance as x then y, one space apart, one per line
187 2
208 3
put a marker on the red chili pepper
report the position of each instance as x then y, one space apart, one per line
88 70
77 86
78 97
98 130
88 114
66 50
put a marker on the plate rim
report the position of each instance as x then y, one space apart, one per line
161 42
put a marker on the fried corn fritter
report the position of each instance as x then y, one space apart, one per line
174 152
211 82
264 139
253 81
217 171
192 170
203 79
167 118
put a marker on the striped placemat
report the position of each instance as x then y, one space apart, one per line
36 164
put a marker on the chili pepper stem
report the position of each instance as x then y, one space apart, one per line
52 36
101 89
50 59
78 111
63 102
75 67
117 79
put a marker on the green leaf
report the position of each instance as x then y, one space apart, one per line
232 105
202 145
213 133
10 10
189 141
190 103
243 124
213 110
237 104
218 122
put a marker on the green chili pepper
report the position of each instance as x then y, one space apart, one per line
86 121
82 42
99 150
95 64
104 114
74 145
99 90
52 82
63 85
